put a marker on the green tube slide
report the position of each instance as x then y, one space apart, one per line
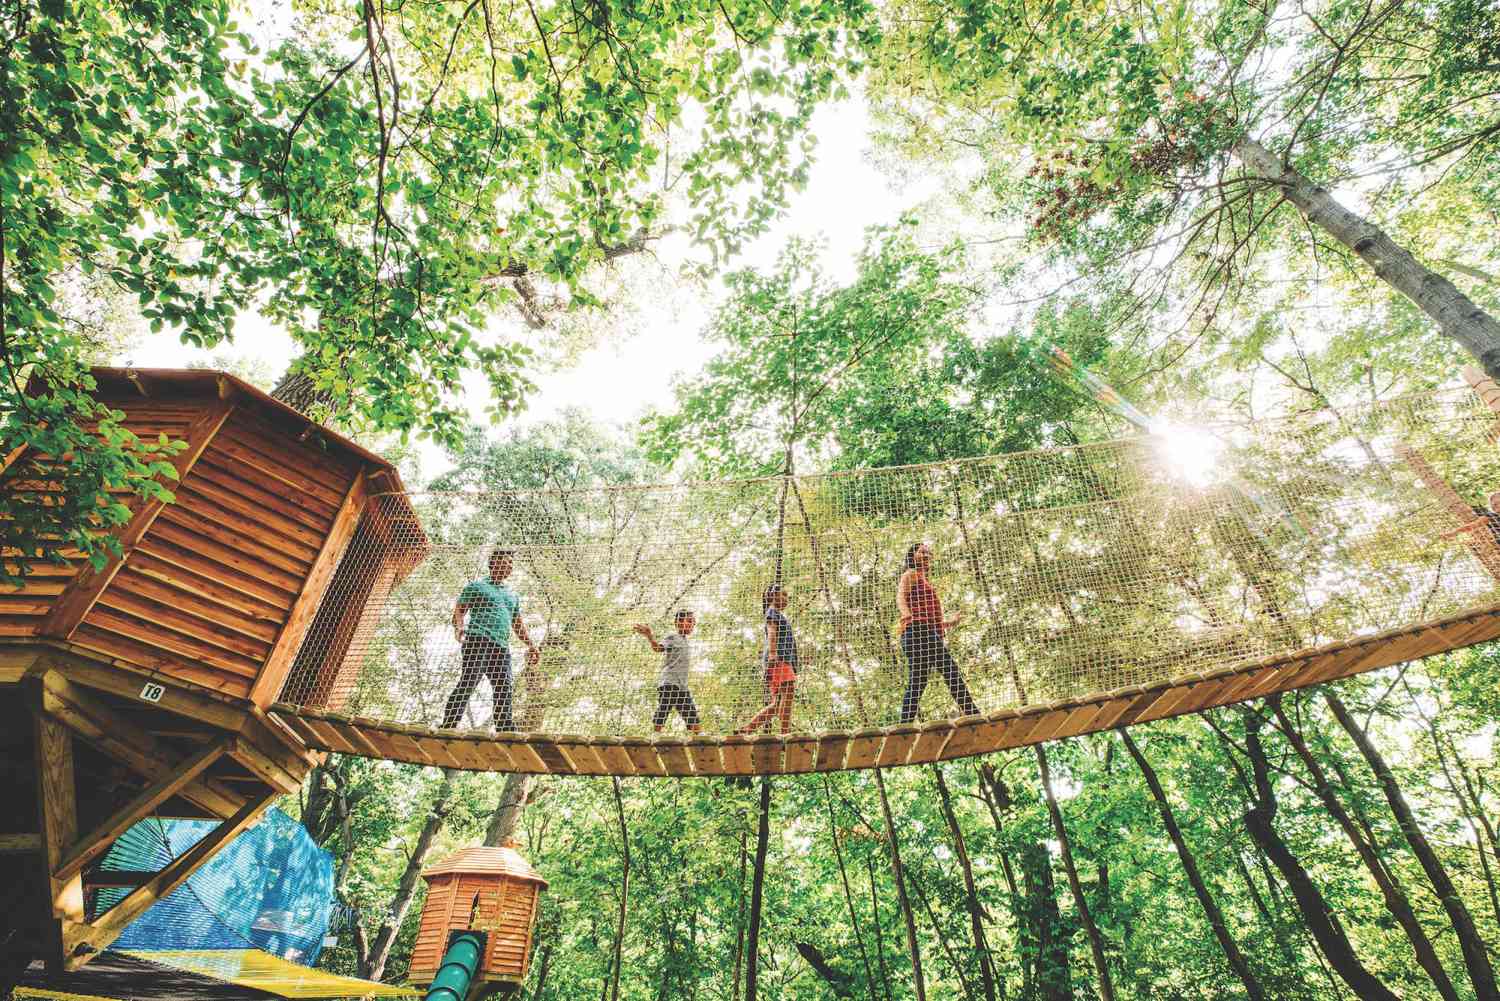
452 980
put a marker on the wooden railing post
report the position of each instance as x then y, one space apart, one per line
1471 527
1488 390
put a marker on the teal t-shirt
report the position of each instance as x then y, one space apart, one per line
492 607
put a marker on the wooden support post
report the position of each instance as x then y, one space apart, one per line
127 879
92 845
1489 392
57 820
279 663
1473 528
108 926
75 603
133 747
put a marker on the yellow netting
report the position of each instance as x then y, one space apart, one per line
1077 570
272 974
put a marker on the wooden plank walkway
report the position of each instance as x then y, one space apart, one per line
573 754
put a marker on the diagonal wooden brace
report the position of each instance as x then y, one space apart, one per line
92 845
82 939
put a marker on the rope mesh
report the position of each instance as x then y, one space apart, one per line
1077 570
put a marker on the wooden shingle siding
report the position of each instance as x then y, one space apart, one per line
22 610
222 567
194 571
216 588
217 470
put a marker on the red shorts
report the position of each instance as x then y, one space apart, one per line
779 673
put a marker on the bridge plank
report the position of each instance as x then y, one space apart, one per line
674 756
642 754
736 753
931 739
767 754
899 742
801 754
832 747
612 753
705 754
864 748
583 754
552 756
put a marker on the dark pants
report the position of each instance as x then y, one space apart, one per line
924 648
482 657
669 697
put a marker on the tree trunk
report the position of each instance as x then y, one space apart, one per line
541 974
373 967
885 973
1096 940
757 885
971 895
943 939
739 920
1475 797
838 854
614 987
1464 793
835 978
1456 315
295 388
918 982
1318 916
1210 907
507 815
1395 898
1476 958
1043 936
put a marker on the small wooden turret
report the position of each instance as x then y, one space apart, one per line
494 890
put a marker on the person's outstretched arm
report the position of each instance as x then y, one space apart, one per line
771 627
645 630
903 586
519 628
459 610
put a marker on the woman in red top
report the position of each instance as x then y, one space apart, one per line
922 628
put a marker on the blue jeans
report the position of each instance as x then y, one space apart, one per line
923 645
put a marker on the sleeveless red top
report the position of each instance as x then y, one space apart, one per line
922 599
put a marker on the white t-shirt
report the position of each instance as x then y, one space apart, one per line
677 659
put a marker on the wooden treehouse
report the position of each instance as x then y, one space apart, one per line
140 689
493 890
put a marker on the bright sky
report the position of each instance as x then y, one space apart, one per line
618 380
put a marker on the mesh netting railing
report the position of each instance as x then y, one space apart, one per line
1076 570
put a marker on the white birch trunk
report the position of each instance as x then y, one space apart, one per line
1456 315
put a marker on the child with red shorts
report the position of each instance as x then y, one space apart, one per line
780 661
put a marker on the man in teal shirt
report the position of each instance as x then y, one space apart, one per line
493 612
